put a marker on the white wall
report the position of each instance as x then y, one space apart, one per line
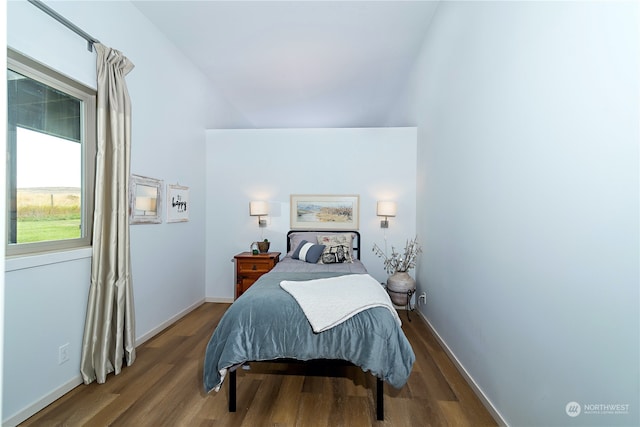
172 105
245 165
528 202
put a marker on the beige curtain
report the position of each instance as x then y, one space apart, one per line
109 332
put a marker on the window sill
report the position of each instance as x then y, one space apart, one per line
45 258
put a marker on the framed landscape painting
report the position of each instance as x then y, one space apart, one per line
325 212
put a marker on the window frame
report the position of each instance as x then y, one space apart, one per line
34 70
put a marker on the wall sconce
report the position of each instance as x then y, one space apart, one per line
259 209
386 209
146 204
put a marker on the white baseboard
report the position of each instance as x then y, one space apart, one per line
225 300
155 331
497 416
43 402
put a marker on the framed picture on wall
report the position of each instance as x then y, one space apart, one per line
177 203
325 212
145 200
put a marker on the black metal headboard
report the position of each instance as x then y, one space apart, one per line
355 242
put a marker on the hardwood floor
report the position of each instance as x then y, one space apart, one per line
164 388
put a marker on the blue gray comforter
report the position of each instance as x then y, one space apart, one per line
266 323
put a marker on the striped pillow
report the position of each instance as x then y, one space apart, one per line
308 252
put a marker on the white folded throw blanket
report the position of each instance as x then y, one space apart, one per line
329 302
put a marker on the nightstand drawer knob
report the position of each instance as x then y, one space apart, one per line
254 267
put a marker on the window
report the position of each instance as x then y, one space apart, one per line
50 159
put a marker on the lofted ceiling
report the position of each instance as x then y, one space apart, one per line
300 63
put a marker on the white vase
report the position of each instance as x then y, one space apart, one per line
398 285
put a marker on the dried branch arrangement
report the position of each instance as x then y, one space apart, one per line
400 262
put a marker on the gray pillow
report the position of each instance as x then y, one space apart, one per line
310 236
308 252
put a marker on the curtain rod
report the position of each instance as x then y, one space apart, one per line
64 21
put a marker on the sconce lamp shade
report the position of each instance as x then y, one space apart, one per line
386 209
258 208
146 204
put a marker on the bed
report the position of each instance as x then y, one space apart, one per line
269 322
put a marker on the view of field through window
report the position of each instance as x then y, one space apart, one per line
50 157
48 181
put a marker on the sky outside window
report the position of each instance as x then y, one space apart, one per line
47 161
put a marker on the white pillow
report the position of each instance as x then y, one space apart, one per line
337 248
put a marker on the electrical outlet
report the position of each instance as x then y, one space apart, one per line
63 353
422 298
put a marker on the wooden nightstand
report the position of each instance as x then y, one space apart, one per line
250 267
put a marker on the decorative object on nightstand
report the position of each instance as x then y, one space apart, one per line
250 267
264 246
400 285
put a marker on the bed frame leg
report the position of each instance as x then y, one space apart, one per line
232 391
379 399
